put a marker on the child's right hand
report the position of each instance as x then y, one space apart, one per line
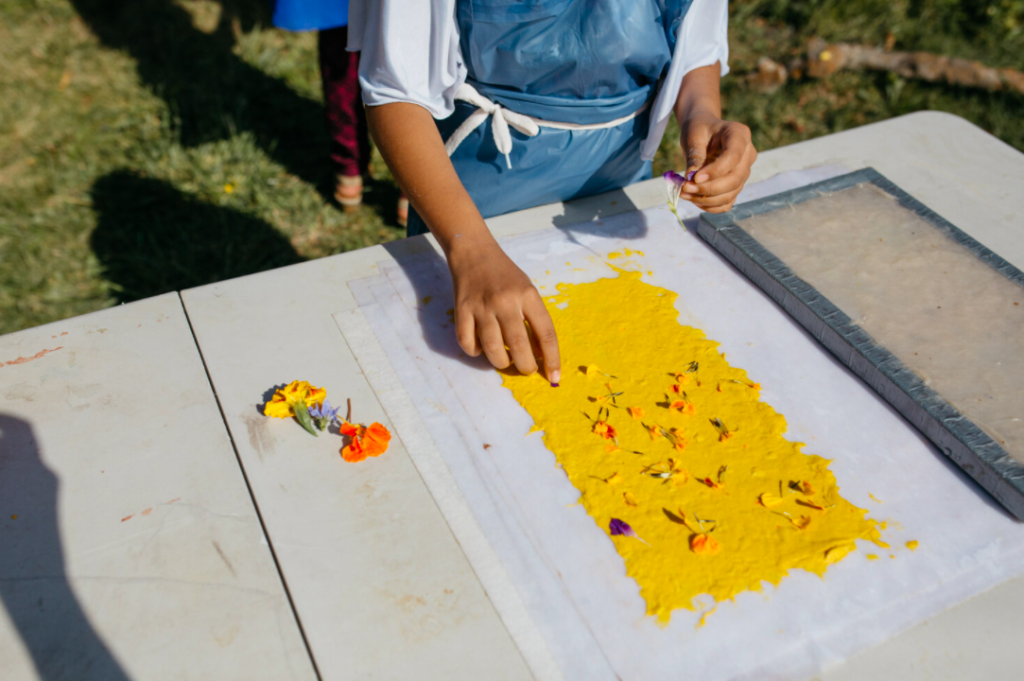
494 301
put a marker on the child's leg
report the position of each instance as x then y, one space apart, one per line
346 118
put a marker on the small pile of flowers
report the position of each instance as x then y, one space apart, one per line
309 406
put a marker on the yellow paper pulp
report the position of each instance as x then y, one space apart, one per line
626 332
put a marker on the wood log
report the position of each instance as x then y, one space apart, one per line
824 59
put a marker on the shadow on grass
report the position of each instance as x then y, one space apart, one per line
152 238
212 93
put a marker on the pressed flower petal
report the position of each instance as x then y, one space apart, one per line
801 522
769 500
837 553
616 526
629 499
620 527
704 544
604 429
613 479
636 412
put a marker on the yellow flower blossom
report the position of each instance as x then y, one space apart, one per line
282 404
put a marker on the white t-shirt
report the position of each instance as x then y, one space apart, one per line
410 53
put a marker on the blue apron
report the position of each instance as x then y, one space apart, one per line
564 61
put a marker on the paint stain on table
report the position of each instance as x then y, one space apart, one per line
26 360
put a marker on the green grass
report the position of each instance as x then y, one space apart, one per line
151 145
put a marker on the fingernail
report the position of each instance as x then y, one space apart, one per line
556 376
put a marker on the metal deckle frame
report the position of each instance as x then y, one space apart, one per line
952 432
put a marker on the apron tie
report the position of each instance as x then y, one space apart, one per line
501 119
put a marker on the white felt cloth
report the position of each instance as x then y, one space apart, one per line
554 577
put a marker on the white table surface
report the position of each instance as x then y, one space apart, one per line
364 550
380 585
129 544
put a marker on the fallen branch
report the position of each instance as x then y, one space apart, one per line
824 59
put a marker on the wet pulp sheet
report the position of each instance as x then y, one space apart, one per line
658 431
951 318
555 575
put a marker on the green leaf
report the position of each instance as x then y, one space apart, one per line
302 416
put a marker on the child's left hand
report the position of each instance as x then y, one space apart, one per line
722 153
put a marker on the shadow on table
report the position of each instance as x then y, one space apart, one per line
213 93
34 586
151 238
601 216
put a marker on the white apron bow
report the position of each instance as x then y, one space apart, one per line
502 118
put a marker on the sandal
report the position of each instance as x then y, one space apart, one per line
348 191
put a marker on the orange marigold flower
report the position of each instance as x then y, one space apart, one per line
366 441
682 379
712 484
704 544
655 432
636 412
806 487
604 429
676 388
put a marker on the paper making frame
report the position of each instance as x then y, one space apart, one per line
959 438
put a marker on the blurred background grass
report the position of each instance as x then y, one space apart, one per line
153 145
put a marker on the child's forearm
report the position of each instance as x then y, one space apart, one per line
493 297
700 93
718 153
412 147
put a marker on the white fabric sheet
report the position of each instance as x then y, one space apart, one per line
559 568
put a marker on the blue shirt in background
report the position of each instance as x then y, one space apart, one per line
310 15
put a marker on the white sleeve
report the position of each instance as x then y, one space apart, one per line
409 52
703 39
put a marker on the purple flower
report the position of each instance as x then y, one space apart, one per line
324 414
674 178
678 178
617 526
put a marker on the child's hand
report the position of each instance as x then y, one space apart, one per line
493 299
721 152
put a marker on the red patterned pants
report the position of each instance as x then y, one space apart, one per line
346 118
